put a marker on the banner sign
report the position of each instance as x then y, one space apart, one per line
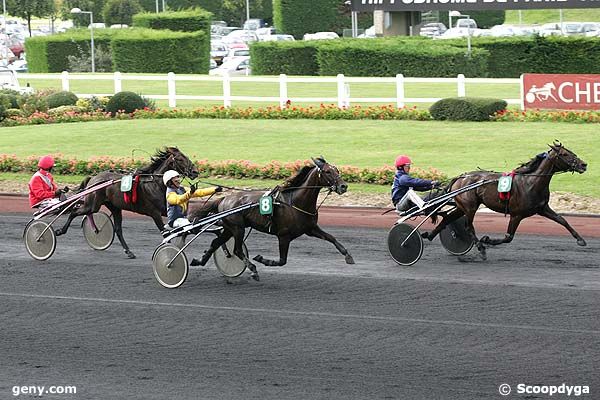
561 91
465 5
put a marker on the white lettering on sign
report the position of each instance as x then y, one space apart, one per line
579 92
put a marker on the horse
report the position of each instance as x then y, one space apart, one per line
149 197
295 213
529 195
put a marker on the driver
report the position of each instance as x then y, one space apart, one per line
43 191
403 195
178 198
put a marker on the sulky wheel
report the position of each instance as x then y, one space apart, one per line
455 238
170 269
227 263
408 253
40 240
103 235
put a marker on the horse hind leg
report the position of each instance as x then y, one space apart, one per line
321 234
510 233
284 246
448 219
118 219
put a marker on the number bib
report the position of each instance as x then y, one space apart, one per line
504 184
265 205
126 182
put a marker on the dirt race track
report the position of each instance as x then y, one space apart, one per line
445 328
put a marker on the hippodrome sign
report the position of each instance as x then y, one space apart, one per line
465 5
560 91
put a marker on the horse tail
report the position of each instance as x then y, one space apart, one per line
204 209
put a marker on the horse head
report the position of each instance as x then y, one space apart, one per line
564 159
329 176
181 163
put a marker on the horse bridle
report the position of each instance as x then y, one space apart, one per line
571 164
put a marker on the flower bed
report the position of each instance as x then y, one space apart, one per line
228 168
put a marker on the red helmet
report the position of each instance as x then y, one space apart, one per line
402 161
46 162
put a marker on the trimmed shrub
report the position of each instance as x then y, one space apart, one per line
53 112
291 58
13 112
466 109
185 21
152 51
12 96
61 99
125 101
301 16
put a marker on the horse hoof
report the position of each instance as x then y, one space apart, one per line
255 277
485 239
426 235
195 262
58 232
349 259
257 258
581 242
130 255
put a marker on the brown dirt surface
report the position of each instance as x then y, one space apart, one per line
559 201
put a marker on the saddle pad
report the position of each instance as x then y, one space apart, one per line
126 183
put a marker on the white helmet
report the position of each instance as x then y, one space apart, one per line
170 174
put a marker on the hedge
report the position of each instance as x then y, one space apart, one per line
388 58
153 51
133 50
291 58
297 17
466 109
185 21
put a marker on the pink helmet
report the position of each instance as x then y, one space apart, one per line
46 162
402 160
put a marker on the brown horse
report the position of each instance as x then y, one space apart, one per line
295 213
150 196
529 195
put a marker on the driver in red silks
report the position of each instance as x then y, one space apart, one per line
42 189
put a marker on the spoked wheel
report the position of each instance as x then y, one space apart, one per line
411 251
102 237
40 240
227 263
455 238
170 271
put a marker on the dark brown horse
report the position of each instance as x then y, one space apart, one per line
295 213
150 196
529 195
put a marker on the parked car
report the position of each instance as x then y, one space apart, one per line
240 35
320 36
16 46
432 29
254 23
8 80
277 38
236 52
466 23
233 66
218 51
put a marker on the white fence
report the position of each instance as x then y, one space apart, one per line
343 98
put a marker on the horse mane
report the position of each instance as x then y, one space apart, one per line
157 159
298 179
531 165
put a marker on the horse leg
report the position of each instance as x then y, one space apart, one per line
453 216
321 234
217 242
85 209
471 230
284 246
513 224
238 250
117 214
551 214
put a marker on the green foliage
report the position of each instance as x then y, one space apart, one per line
12 96
30 8
161 52
297 17
63 98
291 58
391 57
4 105
53 112
466 109
133 50
34 102
83 62
125 101
120 11
186 21
83 20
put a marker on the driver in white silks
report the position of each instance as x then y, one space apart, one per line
403 189
178 198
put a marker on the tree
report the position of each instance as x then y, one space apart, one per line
95 6
28 9
120 12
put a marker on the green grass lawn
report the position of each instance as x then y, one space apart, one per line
531 17
450 147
